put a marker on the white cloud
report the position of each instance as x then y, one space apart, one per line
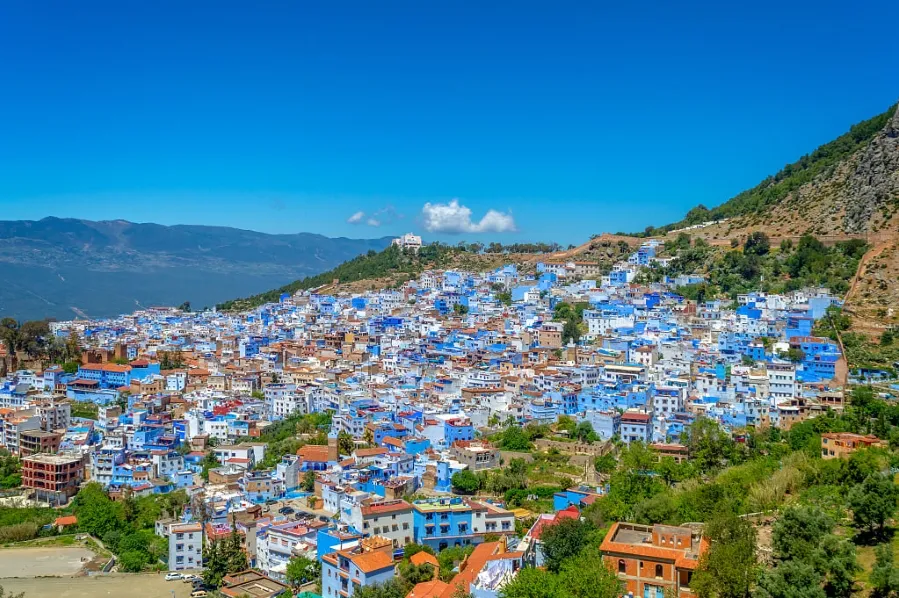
454 218
386 215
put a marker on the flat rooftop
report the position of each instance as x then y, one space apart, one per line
441 506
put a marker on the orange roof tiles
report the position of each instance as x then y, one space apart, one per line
386 507
372 561
421 558
64 521
313 453
106 367
428 589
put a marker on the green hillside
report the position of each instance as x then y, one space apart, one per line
392 262
792 176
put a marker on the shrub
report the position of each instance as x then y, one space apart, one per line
19 532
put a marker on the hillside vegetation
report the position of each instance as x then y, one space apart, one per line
821 163
757 266
393 266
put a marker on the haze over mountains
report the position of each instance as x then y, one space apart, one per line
65 268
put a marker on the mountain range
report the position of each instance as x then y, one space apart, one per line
66 268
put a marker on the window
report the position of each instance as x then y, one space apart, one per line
659 571
622 566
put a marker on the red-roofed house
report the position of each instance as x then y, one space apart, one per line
653 560
635 427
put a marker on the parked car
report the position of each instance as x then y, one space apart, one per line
286 510
198 594
172 576
189 577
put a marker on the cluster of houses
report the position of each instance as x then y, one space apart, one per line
415 381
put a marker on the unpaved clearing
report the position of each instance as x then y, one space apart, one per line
39 562
151 585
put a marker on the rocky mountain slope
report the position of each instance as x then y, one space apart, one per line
847 187
65 268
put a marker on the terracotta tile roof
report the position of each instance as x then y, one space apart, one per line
472 567
313 453
386 507
64 521
635 417
106 367
372 561
420 558
428 589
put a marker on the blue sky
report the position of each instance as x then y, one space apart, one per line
543 121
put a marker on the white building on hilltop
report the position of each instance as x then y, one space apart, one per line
408 241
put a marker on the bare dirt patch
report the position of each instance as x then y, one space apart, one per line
113 585
40 562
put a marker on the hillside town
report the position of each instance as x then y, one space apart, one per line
343 428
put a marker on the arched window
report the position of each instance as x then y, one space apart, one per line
622 566
658 571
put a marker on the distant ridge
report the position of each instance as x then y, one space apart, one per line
64 267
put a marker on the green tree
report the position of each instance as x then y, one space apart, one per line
757 243
563 540
799 531
533 583
791 579
584 431
513 438
835 560
308 483
885 574
465 482
223 557
584 575
709 445
873 502
392 588
210 461
301 570
345 443
729 568
97 513
605 463
587 576
415 574
132 561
